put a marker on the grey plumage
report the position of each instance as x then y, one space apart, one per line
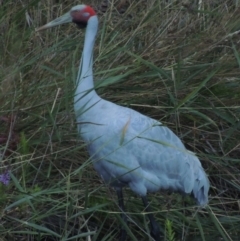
126 147
129 148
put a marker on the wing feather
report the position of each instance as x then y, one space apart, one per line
139 151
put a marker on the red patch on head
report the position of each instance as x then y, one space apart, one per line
89 10
82 15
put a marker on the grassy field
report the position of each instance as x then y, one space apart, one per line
175 61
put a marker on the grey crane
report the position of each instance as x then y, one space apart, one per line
126 147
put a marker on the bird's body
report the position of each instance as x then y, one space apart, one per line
126 147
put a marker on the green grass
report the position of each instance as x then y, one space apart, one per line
176 63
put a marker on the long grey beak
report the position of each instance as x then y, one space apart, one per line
66 18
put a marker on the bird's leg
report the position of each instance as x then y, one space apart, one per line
155 230
123 233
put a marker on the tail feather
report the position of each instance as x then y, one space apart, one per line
200 188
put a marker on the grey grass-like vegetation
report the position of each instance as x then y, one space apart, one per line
175 61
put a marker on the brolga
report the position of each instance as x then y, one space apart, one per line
126 147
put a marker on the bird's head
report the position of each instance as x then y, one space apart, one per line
79 14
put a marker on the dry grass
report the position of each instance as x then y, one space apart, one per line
175 61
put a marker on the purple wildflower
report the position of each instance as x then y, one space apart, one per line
5 177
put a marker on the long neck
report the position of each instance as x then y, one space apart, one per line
85 95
